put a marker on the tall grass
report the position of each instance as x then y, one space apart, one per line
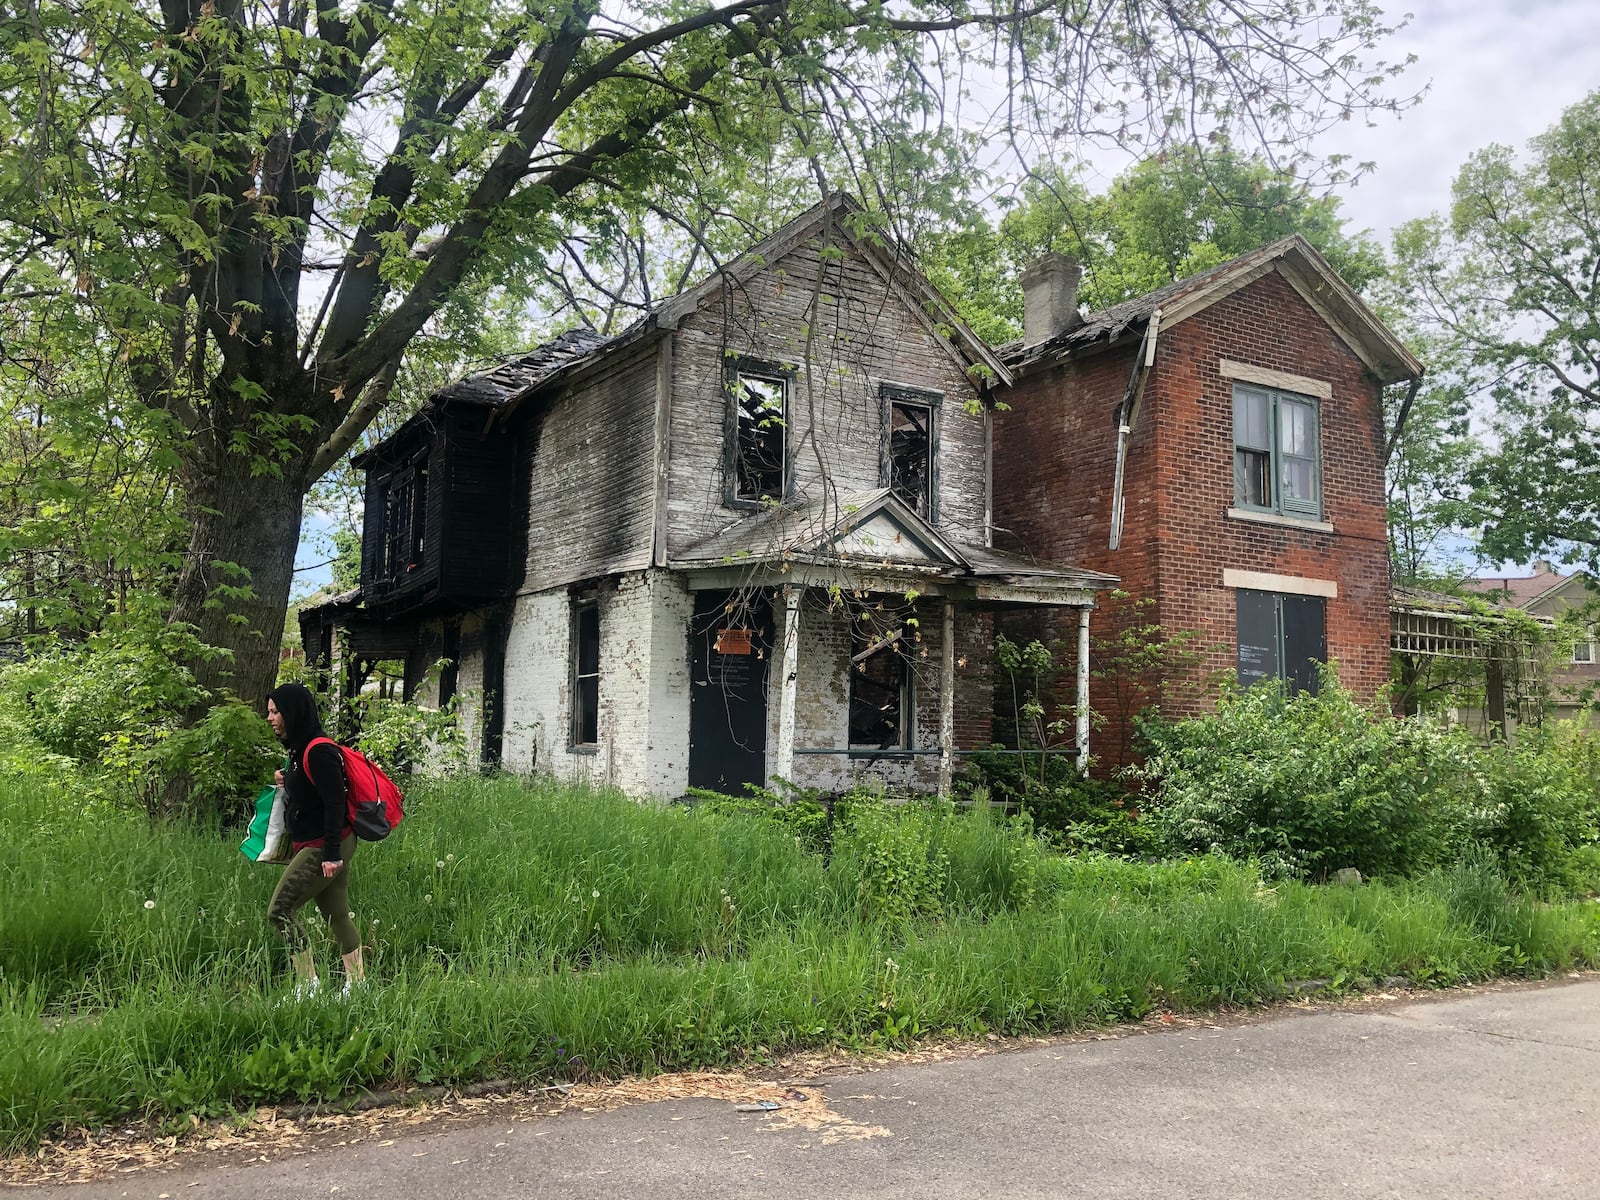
539 931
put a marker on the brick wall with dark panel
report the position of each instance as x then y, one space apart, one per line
1056 450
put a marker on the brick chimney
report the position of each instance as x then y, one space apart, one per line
1050 297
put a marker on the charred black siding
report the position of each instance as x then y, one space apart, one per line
465 509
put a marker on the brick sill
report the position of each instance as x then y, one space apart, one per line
1263 518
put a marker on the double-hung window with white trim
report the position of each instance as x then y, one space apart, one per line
1277 452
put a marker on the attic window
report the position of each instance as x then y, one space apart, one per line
758 440
910 447
405 520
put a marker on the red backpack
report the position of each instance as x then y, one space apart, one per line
375 802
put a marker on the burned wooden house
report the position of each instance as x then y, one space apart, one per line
748 538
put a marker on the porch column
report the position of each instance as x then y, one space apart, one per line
947 701
1083 691
783 756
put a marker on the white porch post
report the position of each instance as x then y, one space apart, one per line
783 758
947 701
1083 690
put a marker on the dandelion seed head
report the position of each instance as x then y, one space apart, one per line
440 864
596 893
449 858
428 898
149 903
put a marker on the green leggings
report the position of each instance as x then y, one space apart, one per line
303 880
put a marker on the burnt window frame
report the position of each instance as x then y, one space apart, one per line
891 395
1276 456
584 717
739 367
405 520
866 644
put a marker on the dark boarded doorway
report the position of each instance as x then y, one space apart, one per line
730 649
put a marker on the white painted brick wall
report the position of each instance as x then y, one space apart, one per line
644 686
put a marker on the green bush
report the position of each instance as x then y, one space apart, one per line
1306 785
106 719
1072 811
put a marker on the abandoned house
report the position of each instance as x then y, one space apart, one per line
1219 445
749 537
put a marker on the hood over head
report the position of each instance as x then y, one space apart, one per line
299 709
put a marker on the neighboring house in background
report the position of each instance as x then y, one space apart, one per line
1219 445
1574 668
749 537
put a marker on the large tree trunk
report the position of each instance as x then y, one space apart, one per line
234 587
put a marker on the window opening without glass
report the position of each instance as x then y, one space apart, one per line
1276 458
759 451
880 685
405 521
911 455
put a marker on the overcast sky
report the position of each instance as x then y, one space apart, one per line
1497 71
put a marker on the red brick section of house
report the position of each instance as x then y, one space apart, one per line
1055 461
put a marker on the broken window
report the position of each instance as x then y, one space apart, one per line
1276 457
586 673
880 684
760 424
405 520
909 449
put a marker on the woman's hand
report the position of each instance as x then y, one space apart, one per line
330 869
277 777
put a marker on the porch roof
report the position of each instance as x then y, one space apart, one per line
876 533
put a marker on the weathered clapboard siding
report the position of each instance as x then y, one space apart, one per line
591 475
862 335
475 477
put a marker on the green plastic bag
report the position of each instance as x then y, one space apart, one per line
268 837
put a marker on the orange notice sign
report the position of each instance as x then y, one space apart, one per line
733 641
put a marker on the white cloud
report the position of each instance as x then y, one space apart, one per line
1497 70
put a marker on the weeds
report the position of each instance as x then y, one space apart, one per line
538 932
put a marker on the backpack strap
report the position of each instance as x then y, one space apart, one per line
305 763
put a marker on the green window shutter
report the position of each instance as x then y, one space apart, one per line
1299 474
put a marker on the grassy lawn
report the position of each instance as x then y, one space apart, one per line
545 932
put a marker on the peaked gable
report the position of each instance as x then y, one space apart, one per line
1294 258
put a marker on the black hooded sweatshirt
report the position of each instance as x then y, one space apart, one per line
315 806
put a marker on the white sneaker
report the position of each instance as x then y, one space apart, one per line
307 989
351 987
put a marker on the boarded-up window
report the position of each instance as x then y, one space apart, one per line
880 687
1282 637
586 673
1276 452
760 456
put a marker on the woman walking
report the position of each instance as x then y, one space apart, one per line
318 818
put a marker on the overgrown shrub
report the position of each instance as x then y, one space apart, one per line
1308 784
107 719
1072 811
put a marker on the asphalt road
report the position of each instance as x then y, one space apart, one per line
1490 1094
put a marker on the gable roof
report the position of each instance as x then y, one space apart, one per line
1523 590
937 315
502 388
873 529
1296 259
